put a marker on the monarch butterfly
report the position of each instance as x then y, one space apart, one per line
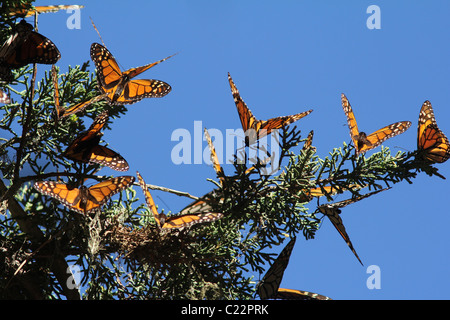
25 46
118 86
255 129
308 142
85 148
307 195
62 112
332 211
432 143
267 288
364 142
4 98
84 200
41 9
291 294
214 159
174 222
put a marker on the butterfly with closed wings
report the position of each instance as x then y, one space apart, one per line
268 286
23 47
432 143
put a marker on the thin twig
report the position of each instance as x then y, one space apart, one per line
178 193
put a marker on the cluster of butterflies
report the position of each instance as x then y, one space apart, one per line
26 46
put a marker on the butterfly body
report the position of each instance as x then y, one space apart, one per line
83 199
432 144
364 142
119 86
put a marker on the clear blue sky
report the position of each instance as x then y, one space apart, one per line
285 58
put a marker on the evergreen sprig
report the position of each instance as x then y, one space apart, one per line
118 252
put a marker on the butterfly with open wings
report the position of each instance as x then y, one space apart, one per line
83 199
364 142
255 129
119 85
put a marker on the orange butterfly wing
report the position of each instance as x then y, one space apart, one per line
291 294
202 204
214 158
109 158
136 90
118 85
333 214
177 221
385 133
351 121
62 112
35 48
432 143
268 287
187 220
363 142
86 148
81 106
42 9
309 140
24 47
70 197
255 129
104 190
149 200
280 122
84 200
332 211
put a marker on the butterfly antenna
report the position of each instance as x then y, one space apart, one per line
97 32
164 203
